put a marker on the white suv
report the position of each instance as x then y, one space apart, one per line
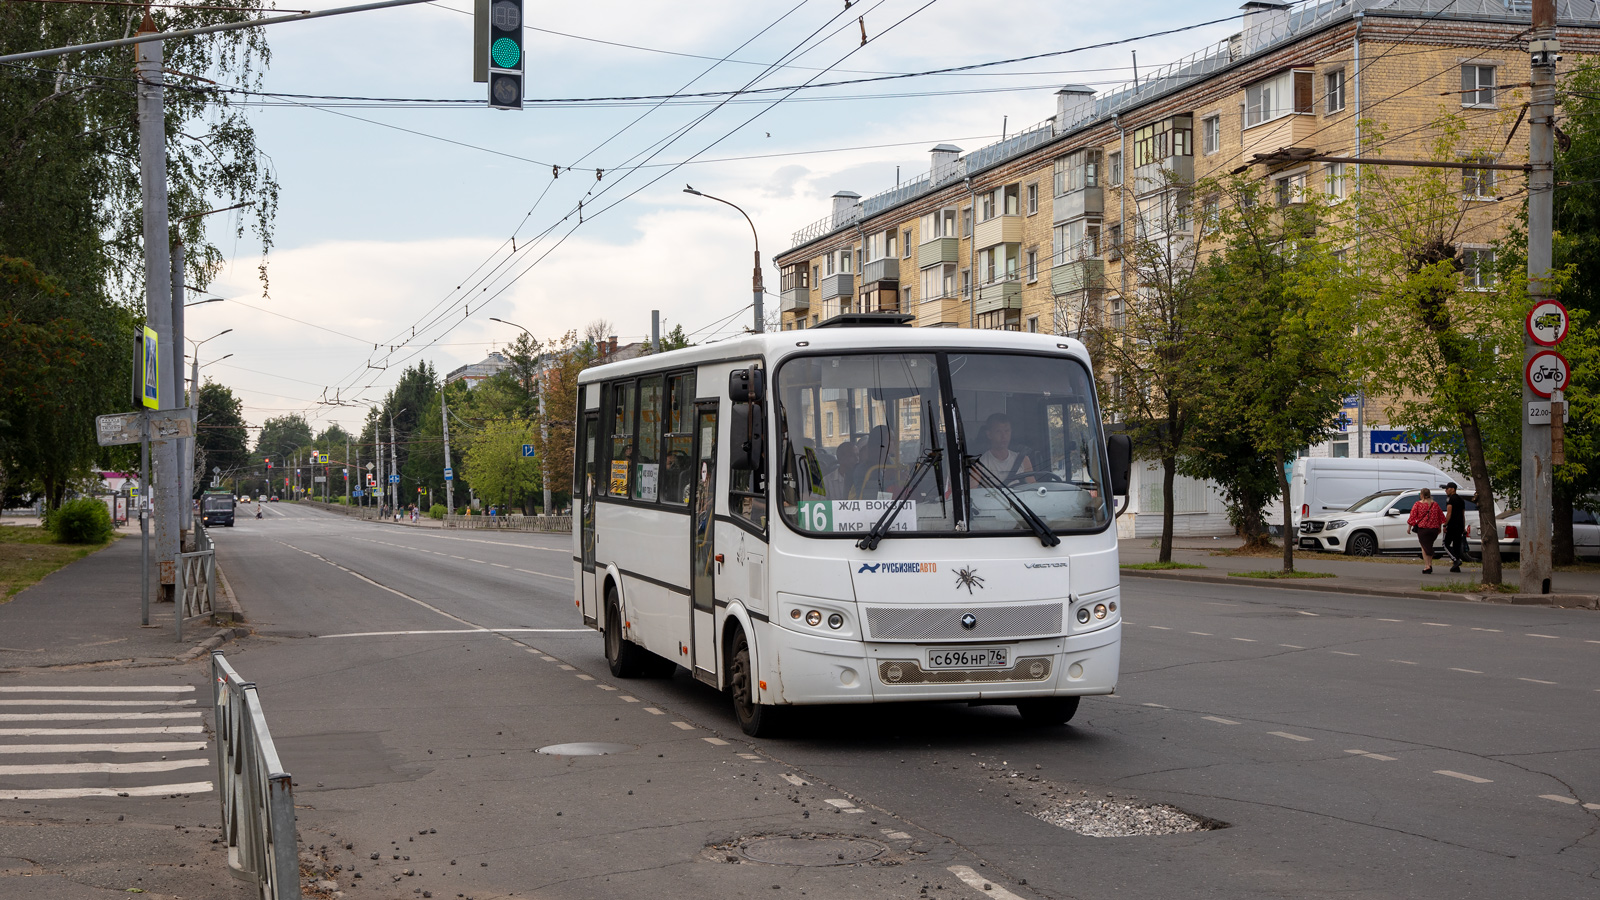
1373 525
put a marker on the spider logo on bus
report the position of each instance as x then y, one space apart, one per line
967 577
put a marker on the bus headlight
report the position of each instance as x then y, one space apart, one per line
1083 615
813 618
1113 606
794 613
1099 610
836 621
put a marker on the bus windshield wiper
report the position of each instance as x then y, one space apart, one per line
929 459
1040 529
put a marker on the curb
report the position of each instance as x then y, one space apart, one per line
1581 601
228 611
203 648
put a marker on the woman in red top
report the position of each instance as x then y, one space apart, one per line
1426 519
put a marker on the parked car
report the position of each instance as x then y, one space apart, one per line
1319 487
1373 525
1585 534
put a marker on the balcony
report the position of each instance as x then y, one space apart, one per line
998 230
796 300
878 298
938 250
1077 275
934 312
841 285
1090 201
1293 130
886 269
1153 177
999 295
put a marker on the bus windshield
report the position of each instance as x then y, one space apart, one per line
858 429
218 502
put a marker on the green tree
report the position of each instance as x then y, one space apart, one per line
568 358
1272 329
282 436
222 440
494 460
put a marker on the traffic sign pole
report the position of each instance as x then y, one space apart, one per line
1537 479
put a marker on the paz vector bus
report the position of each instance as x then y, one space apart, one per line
854 513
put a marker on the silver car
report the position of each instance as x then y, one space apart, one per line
1373 525
1585 534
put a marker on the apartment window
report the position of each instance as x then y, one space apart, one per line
1116 312
905 244
1077 170
938 281
1033 198
905 298
1477 269
1114 241
966 282
1114 164
1287 190
1478 184
815 275
1211 134
794 278
1477 85
846 260
1011 199
1333 90
966 221
1163 140
829 261
1281 95
1077 240
1335 174
941 224
1033 324
1210 213
1032 265
988 206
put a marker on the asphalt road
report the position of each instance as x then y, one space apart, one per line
1354 746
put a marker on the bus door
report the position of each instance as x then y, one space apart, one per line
702 550
587 590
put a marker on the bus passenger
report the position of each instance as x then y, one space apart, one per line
1000 458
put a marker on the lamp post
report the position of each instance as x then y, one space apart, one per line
187 447
544 425
755 281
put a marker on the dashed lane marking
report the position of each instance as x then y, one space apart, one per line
97 689
1292 646
1156 705
499 566
793 779
481 562
584 677
1591 806
979 883
1219 720
751 757
548 658
1468 671
715 742
1549 636
566 668
605 687
1437 624
149 790
1246 640
1344 653
544 575
1285 734
1403 662
1391 620
683 725
1559 799
1535 681
653 711
626 699
1494 630
1304 613
1161 627
1368 755
839 804
453 631
1201 633
1472 778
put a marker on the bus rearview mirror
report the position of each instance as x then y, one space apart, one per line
1119 456
747 385
746 440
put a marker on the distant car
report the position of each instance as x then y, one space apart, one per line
262 499
1373 525
1585 534
245 498
274 498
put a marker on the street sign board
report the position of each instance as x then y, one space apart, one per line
394 479
318 479
1539 412
1394 442
150 369
527 450
1547 371
119 428
449 474
1547 323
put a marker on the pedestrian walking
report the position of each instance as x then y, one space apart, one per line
1424 521
1455 525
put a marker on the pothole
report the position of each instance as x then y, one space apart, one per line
1118 818
585 748
806 849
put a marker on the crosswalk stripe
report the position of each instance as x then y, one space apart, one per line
162 765
145 747
148 790
96 717
52 702
99 689
52 732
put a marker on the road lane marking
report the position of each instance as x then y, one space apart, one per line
794 779
548 658
454 631
1344 653
981 884
53 702
149 790
897 835
1535 680
162 765
425 605
585 677
626 699
684 726
605 687
1495 630
751 756
566 668
1591 806
93 717
51 732
99 689
140 747
1156 705
1472 778
1201 633
1550 636
480 562
839 804
1371 755
1219 720
1246 640
1285 734
1468 671
1559 799
653 711
1304 613
715 742
544 575
1437 624
1292 646
1161 627
1391 620
1403 662
453 556
499 565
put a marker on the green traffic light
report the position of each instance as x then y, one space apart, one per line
505 53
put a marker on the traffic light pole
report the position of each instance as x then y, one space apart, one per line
1537 476
450 482
394 469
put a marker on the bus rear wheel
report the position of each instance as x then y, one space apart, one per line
755 718
626 659
1048 711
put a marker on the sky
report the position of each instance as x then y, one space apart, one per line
400 216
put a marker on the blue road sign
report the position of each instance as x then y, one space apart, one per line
394 479
527 449
449 474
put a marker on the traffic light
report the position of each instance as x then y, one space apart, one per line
269 464
505 54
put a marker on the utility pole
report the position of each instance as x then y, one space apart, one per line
655 331
186 446
450 481
381 487
394 467
347 468
1537 476
158 293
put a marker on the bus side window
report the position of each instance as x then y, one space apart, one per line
747 488
676 464
621 450
647 470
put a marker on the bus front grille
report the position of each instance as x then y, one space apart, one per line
943 623
908 671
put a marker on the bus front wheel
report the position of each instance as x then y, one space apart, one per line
755 718
626 659
1048 711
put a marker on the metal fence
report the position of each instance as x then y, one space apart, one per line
257 794
548 524
196 588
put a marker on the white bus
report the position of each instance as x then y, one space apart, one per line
943 528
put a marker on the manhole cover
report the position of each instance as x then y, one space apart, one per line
585 748
810 850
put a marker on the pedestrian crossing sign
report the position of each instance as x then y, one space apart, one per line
150 380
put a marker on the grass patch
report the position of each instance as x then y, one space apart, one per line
1262 551
28 554
1275 573
1470 587
1159 566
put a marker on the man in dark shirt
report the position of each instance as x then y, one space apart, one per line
1455 525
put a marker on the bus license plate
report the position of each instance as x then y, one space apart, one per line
970 658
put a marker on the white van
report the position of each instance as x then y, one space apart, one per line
1322 485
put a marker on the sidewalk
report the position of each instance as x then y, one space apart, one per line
1384 576
88 612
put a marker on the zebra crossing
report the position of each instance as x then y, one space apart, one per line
76 741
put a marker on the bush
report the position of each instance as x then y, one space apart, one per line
81 521
437 512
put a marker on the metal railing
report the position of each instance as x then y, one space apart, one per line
257 794
196 588
549 524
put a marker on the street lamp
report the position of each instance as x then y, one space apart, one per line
544 427
186 446
203 302
761 324
215 361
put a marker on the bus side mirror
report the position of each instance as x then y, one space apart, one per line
747 439
1119 455
747 385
